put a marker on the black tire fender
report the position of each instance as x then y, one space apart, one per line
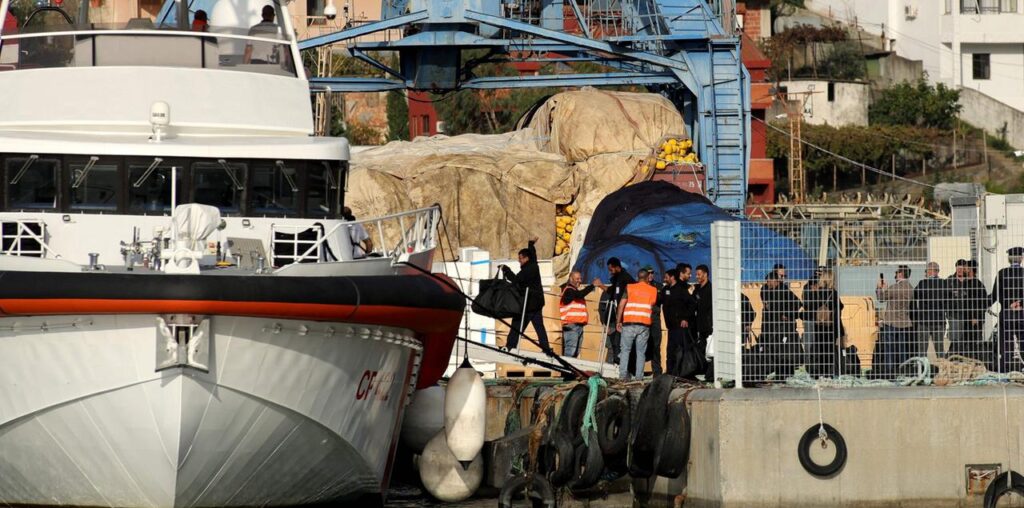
589 464
809 439
612 418
1000 487
570 417
535 488
558 459
649 426
674 454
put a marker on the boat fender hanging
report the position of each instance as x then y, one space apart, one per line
570 416
424 418
822 433
558 458
1005 483
444 476
534 488
648 426
674 453
589 464
612 415
465 413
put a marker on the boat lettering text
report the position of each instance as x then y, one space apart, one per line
375 385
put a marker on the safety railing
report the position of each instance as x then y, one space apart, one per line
25 238
398 236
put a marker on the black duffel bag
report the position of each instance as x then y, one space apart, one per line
498 298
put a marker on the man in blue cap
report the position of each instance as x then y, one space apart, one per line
1008 290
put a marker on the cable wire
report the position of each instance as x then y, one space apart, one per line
861 164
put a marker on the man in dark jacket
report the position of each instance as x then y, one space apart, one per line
705 315
972 302
1008 290
653 352
931 300
527 281
781 309
680 309
957 284
611 294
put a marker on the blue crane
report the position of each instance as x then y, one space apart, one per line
677 48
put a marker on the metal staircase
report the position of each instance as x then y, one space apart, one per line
675 47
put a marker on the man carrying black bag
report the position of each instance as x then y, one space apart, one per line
528 283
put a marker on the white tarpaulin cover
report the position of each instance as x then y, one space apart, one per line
195 223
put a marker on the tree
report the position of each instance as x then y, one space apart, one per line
398 116
916 104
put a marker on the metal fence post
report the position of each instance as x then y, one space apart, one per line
726 279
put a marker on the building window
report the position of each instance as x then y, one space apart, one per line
831 91
980 66
425 125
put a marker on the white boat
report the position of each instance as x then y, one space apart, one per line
184 320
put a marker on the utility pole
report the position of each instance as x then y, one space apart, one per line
795 115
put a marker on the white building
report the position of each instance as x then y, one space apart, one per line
835 103
977 44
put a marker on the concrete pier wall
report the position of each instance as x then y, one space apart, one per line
908 446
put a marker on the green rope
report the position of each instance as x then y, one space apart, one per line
594 384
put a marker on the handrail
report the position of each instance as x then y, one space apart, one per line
170 33
421 240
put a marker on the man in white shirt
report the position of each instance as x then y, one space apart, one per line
360 239
263 52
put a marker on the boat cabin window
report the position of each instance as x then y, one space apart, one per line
323 188
275 188
94 185
31 183
149 187
142 185
236 35
220 184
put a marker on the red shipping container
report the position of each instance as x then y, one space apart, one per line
689 177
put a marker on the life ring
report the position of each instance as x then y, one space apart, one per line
1000 487
674 453
612 418
181 255
649 426
589 462
534 487
558 459
804 451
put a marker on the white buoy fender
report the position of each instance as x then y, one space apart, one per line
443 475
465 412
424 418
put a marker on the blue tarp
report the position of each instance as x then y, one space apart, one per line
676 228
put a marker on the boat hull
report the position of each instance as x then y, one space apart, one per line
289 412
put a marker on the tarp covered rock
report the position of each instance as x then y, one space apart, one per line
584 123
495 191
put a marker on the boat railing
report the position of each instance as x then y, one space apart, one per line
16 243
396 236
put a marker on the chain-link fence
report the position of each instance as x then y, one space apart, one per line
875 300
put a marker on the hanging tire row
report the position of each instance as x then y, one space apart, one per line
637 434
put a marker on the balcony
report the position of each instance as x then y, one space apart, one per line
987 6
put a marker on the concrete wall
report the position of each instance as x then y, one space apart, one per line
983 111
848 107
906 445
887 70
1006 71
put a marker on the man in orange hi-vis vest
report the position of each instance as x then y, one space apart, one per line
635 309
572 309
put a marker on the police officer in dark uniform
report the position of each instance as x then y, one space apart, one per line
1008 290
